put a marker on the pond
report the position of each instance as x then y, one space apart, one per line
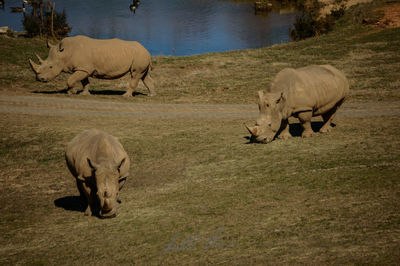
171 27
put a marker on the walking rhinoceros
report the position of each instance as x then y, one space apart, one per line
100 166
301 93
85 57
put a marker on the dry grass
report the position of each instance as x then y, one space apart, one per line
332 198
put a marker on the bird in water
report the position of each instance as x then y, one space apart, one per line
134 5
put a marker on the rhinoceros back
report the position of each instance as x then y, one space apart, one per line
98 146
108 59
311 88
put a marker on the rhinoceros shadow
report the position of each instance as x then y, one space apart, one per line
113 92
296 129
93 92
52 91
75 203
71 203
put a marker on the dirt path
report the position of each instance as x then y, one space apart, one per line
52 106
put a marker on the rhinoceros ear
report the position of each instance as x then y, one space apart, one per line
60 48
281 98
120 164
92 165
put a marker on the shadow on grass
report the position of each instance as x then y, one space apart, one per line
76 203
114 92
52 92
96 92
296 129
71 203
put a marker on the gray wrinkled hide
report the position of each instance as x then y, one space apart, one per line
302 93
100 165
85 57
312 88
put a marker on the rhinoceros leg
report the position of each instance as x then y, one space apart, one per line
328 117
133 83
305 120
285 134
85 84
74 78
149 83
89 195
81 190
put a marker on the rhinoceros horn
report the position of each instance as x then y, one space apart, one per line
40 59
252 130
34 66
260 95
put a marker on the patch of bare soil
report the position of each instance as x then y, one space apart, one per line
391 18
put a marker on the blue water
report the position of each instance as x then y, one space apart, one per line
171 27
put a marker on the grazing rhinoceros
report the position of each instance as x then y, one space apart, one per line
302 93
85 57
100 166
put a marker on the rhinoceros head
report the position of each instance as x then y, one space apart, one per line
108 183
51 67
269 120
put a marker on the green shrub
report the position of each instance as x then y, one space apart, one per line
41 22
32 25
311 24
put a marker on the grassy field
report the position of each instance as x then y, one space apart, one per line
198 193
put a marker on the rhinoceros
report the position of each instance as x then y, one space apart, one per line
100 166
301 93
85 57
